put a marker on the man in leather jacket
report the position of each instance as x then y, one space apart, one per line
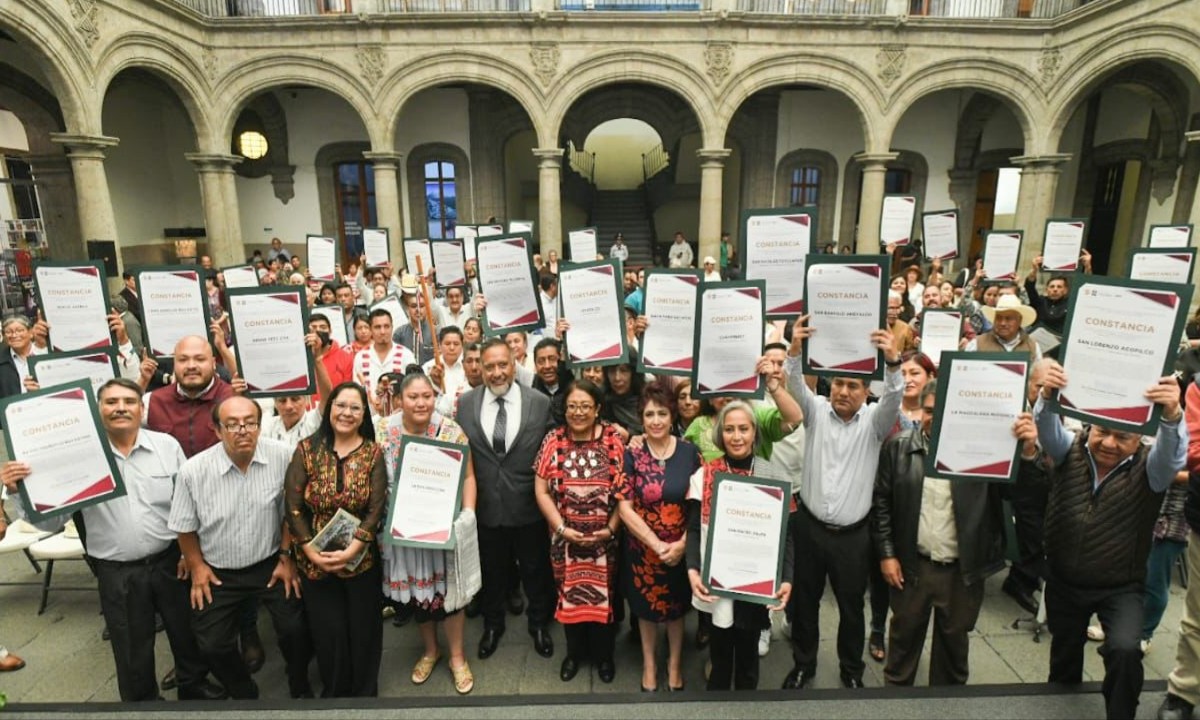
938 540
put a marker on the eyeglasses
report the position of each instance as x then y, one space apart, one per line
248 427
580 408
348 409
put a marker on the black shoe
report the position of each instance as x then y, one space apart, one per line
851 681
1174 708
1015 590
568 670
253 653
606 671
516 602
635 631
798 679
489 641
158 624
404 613
473 608
303 694
203 690
168 681
105 635
542 642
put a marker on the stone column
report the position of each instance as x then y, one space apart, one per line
1035 201
964 184
549 222
96 218
870 203
56 196
218 195
388 211
1194 137
712 174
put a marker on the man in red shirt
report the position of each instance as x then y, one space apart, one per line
338 363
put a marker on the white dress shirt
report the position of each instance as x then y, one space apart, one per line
273 428
512 408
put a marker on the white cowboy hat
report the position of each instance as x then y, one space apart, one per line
1011 303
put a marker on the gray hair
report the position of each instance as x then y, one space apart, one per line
16 320
893 295
719 441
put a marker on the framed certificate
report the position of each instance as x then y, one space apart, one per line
1062 244
1169 265
240 276
670 309
57 432
846 297
941 329
508 280
591 297
322 257
426 495
1169 236
394 306
74 301
520 226
896 219
269 325
417 249
939 233
1001 254
775 245
490 230
1119 338
979 397
174 305
449 260
747 534
730 319
581 245
95 366
376 251
467 233
337 321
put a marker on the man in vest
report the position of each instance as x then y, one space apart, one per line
1104 500
1009 319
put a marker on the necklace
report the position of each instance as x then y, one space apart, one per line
660 457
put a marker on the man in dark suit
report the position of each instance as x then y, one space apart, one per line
129 292
505 423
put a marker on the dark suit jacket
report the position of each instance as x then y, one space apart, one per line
505 484
10 380
135 304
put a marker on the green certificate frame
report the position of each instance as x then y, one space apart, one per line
387 247
925 242
437 540
1045 233
912 221
1191 235
292 387
614 267
571 248
781 490
1179 252
794 308
109 487
153 348
225 271
530 320
1017 267
750 388
109 353
861 370
680 366
98 267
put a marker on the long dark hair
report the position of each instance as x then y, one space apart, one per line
366 430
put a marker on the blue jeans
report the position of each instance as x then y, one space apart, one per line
1159 564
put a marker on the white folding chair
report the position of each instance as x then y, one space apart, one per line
20 537
66 545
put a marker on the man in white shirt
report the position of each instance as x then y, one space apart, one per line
449 378
548 285
680 255
619 250
454 312
384 356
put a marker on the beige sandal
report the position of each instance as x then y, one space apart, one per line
464 681
424 668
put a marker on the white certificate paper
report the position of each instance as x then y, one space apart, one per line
74 302
506 279
427 493
896 221
520 226
375 246
581 244
1119 338
95 366
729 339
978 401
448 260
1064 240
467 233
417 249
240 276
746 539
775 251
591 301
337 322
395 308
670 309
175 306
268 328
939 231
1170 236
57 433
940 332
1001 253
322 258
1169 266
845 305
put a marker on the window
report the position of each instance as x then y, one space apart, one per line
19 181
897 181
355 183
441 201
806 186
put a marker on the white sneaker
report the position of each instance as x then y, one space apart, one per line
764 642
1095 633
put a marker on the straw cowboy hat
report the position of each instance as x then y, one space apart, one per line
1011 303
408 284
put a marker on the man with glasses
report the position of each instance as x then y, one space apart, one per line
228 511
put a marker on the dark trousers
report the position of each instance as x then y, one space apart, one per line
841 556
343 620
529 545
130 595
1120 610
734 655
1159 565
938 588
1029 515
217 625
880 594
590 641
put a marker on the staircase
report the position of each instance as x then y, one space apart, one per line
624 211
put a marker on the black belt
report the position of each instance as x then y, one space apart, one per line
172 549
835 528
939 563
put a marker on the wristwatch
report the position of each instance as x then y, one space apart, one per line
287 553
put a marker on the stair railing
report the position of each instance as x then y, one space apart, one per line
584 163
654 161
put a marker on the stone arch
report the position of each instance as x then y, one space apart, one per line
39 30
328 156
167 62
827 164
34 106
914 162
415 168
649 104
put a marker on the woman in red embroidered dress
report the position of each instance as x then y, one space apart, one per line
578 472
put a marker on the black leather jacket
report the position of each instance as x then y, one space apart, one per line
978 509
